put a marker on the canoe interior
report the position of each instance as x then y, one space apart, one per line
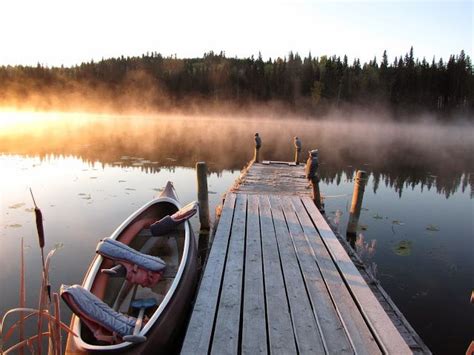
116 291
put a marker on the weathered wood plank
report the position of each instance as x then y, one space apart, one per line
355 327
273 179
331 327
378 320
254 328
227 327
281 338
199 332
307 334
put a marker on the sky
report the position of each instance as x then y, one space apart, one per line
68 32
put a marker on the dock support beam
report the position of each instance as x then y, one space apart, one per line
203 195
298 145
258 145
311 170
316 193
356 205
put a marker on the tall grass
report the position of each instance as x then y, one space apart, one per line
47 313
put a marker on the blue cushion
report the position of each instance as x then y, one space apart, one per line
115 250
95 309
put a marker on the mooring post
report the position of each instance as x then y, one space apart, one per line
311 169
298 146
356 205
203 195
258 145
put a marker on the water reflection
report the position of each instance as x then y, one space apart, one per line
400 155
89 173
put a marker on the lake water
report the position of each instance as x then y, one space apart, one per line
88 173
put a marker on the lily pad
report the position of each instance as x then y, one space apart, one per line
397 222
16 205
432 228
403 248
377 216
58 246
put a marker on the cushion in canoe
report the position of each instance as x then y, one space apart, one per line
115 250
142 269
168 223
97 315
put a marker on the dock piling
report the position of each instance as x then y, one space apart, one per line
311 170
203 195
298 145
356 205
258 145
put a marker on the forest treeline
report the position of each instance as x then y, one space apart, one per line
310 84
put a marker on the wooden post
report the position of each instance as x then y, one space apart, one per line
297 143
357 196
258 145
316 193
311 170
203 196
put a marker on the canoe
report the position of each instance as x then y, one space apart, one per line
165 322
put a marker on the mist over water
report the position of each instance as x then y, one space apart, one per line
227 142
89 172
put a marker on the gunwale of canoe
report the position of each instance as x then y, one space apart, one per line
186 272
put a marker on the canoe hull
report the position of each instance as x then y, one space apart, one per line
164 335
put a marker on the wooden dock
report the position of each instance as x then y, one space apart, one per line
278 280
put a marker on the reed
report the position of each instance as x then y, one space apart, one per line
43 312
22 293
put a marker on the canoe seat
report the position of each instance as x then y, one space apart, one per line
168 223
141 269
105 323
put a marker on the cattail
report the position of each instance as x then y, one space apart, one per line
39 226
39 222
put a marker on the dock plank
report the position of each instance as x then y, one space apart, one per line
353 322
199 332
308 338
281 338
278 281
330 326
227 326
254 328
381 325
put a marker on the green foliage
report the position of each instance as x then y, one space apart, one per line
407 84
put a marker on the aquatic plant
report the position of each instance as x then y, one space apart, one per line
48 309
403 248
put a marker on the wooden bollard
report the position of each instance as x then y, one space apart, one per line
258 145
356 205
203 195
311 170
298 145
316 193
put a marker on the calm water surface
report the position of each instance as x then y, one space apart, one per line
89 173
